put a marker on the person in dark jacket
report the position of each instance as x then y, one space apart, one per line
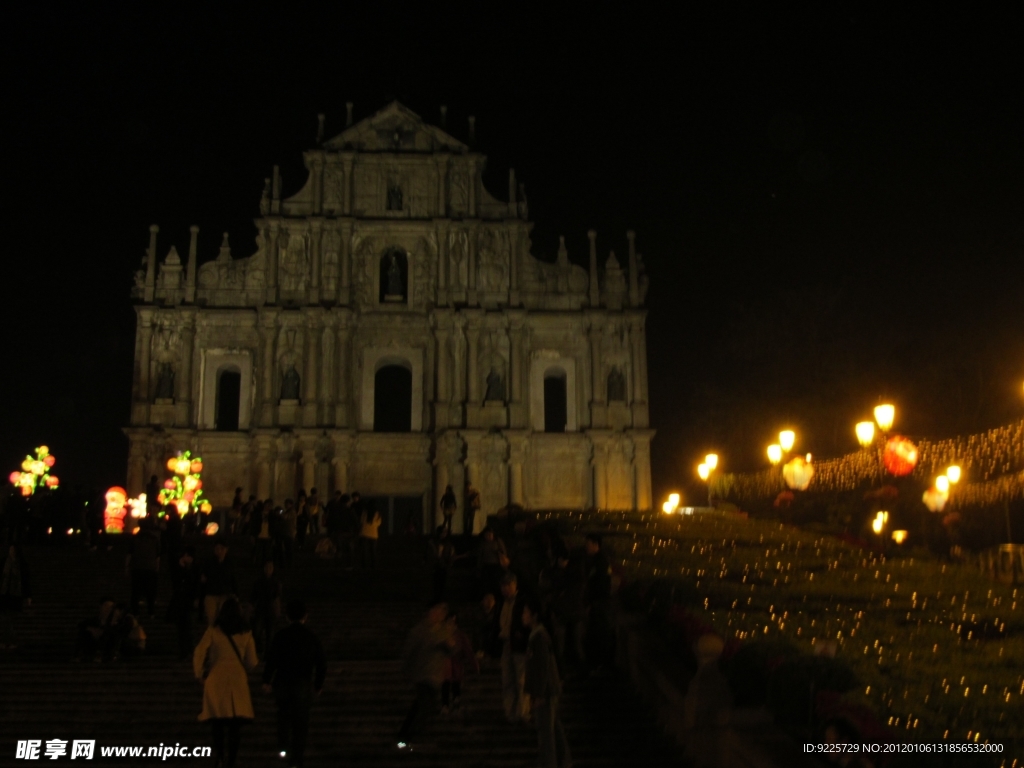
596 596
15 592
184 600
294 671
424 662
514 636
266 603
542 684
217 580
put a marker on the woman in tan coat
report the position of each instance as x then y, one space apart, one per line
223 659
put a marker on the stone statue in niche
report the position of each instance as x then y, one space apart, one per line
394 197
495 386
165 382
265 198
290 384
616 386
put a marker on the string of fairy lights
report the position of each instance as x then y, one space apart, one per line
992 464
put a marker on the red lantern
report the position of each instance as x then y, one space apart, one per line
49 460
169 485
899 456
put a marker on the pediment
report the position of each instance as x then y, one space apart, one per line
396 128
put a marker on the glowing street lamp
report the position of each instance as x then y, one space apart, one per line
670 506
942 484
899 536
878 524
865 433
712 461
885 415
953 473
787 438
704 471
774 454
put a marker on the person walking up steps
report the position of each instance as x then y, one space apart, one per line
294 672
542 685
369 532
222 660
424 662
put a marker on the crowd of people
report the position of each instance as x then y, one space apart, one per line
536 611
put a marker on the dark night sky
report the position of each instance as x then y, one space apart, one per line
830 203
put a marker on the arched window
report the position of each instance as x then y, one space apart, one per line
229 398
555 400
394 276
392 399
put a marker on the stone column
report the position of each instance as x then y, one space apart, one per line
309 378
472 187
343 374
517 460
442 178
145 348
635 341
340 473
328 375
344 268
471 297
150 285
308 468
596 337
513 265
347 163
599 465
184 378
518 365
264 466
267 365
444 391
271 274
642 470
473 372
643 361
316 231
317 172
442 263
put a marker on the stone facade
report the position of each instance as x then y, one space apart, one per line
394 264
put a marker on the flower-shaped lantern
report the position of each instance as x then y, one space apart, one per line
798 473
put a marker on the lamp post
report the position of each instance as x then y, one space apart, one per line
865 433
705 469
774 454
787 439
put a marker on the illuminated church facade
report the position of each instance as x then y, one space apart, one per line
393 334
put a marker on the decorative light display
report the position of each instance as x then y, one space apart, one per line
671 505
35 472
995 459
934 499
774 454
113 515
899 456
212 529
798 473
184 490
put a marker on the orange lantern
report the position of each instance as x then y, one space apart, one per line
197 466
172 465
899 456
211 529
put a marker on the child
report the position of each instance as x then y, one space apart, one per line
461 656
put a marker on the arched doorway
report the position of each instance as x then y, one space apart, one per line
555 400
229 399
392 399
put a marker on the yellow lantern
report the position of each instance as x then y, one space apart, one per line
865 433
172 465
712 461
934 499
942 484
704 471
787 438
885 415
953 473
798 473
899 536
774 454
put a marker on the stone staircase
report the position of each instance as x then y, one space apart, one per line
362 619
